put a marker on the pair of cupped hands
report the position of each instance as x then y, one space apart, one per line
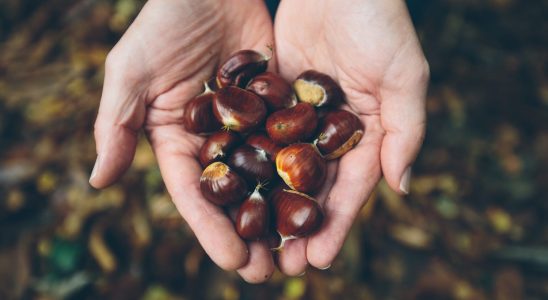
370 47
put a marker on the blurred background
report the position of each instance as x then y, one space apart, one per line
473 227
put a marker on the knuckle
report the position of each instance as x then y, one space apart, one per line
112 60
425 70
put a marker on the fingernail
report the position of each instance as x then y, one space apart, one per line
302 274
95 168
325 268
405 180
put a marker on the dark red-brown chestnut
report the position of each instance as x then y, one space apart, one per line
263 142
252 221
218 146
318 89
297 215
253 164
240 67
274 90
198 115
238 109
301 167
339 131
291 125
221 185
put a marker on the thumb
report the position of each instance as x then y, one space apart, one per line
121 115
403 117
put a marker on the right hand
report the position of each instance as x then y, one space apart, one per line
158 65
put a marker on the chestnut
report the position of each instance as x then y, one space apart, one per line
274 90
253 164
252 221
221 185
240 67
318 89
301 167
339 131
263 142
291 125
218 146
297 215
212 83
238 109
198 115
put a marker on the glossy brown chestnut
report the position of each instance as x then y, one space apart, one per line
252 221
218 146
274 90
297 215
318 89
240 67
339 131
291 125
263 142
253 164
198 115
301 167
221 185
238 109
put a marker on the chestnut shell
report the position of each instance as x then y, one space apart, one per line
297 214
253 164
221 185
318 89
240 67
301 167
291 125
252 221
339 131
198 117
263 142
274 90
218 146
238 109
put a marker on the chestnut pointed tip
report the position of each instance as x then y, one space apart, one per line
207 89
283 240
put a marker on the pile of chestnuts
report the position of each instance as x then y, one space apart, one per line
266 135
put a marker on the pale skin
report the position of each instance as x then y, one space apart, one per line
369 47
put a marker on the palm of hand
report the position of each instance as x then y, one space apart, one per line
159 64
377 61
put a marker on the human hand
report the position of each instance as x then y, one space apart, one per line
371 49
158 65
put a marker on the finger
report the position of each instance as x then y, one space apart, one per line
121 115
181 173
292 257
332 167
359 172
260 265
404 119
